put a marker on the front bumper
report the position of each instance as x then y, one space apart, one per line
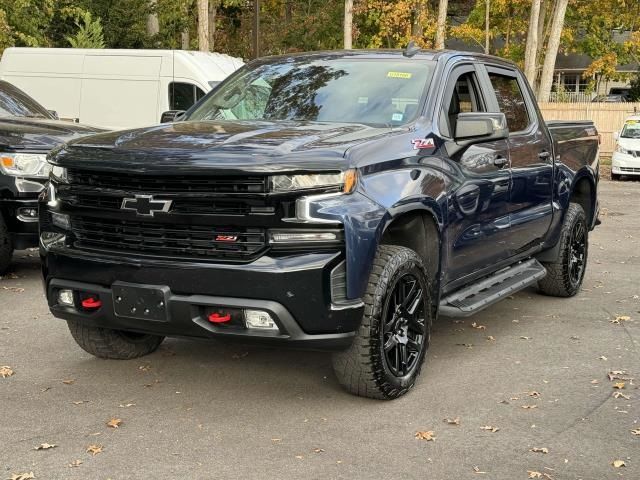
294 289
625 164
23 230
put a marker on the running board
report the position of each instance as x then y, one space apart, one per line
486 292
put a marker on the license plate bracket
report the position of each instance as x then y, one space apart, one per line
142 302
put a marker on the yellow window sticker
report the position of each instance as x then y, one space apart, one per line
632 122
405 75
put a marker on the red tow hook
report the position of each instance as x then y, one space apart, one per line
217 318
91 303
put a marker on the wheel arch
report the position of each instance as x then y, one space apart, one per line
583 192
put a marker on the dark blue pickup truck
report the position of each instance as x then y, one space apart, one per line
333 200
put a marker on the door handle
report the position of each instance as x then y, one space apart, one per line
544 155
500 162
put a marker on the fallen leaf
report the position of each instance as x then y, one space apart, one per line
528 406
318 450
276 440
478 327
427 435
127 405
75 463
540 450
534 474
491 338
635 431
80 402
94 449
476 469
594 381
618 385
144 368
620 318
452 421
14 289
490 428
534 394
45 446
114 423
618 463
68 382
22 476
602 357
620 394
299 457
6 371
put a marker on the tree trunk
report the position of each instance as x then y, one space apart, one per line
348 24
546 79
442 24
542 32
531 50
487 7
203 25
185 40
153 27
213 11
416 28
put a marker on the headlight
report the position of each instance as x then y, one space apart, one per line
25 164
59 173
619 149
346 181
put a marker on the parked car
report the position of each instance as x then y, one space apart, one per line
626 157
115 89
610 98
625 92
27 132
353 197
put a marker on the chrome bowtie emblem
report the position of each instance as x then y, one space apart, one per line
145 205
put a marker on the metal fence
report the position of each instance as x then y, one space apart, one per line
608 117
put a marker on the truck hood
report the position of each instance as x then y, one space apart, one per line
247 146
19 133
629 143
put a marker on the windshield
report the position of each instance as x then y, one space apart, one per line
15 103
374 92
631 129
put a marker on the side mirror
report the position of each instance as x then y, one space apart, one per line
171 116
474 127
54 114
616 135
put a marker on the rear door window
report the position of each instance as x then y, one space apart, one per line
511 101
183 95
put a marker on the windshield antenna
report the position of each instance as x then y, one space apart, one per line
411 49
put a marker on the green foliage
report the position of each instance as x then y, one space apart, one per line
635 88
89 34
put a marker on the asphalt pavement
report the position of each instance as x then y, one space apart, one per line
522 390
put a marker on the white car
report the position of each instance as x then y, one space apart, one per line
626 157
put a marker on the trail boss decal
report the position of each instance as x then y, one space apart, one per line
420 143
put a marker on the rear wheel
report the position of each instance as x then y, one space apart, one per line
387 354
565 275
113 344
6 246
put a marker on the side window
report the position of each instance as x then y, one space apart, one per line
183 95
511 101
464 98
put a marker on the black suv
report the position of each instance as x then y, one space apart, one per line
28 132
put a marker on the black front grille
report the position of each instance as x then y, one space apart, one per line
168 239
175 184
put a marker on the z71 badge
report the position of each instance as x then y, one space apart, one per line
420 143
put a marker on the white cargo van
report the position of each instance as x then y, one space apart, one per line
115 89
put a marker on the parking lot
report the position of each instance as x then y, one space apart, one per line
530 373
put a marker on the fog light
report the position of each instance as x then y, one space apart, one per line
28 214
65 297
259 319
61 220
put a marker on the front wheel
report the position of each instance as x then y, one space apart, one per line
565 274
113 344
387 354
615 176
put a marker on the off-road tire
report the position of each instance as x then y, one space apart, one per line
113 344
6 247
362 369
615 177
559 281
